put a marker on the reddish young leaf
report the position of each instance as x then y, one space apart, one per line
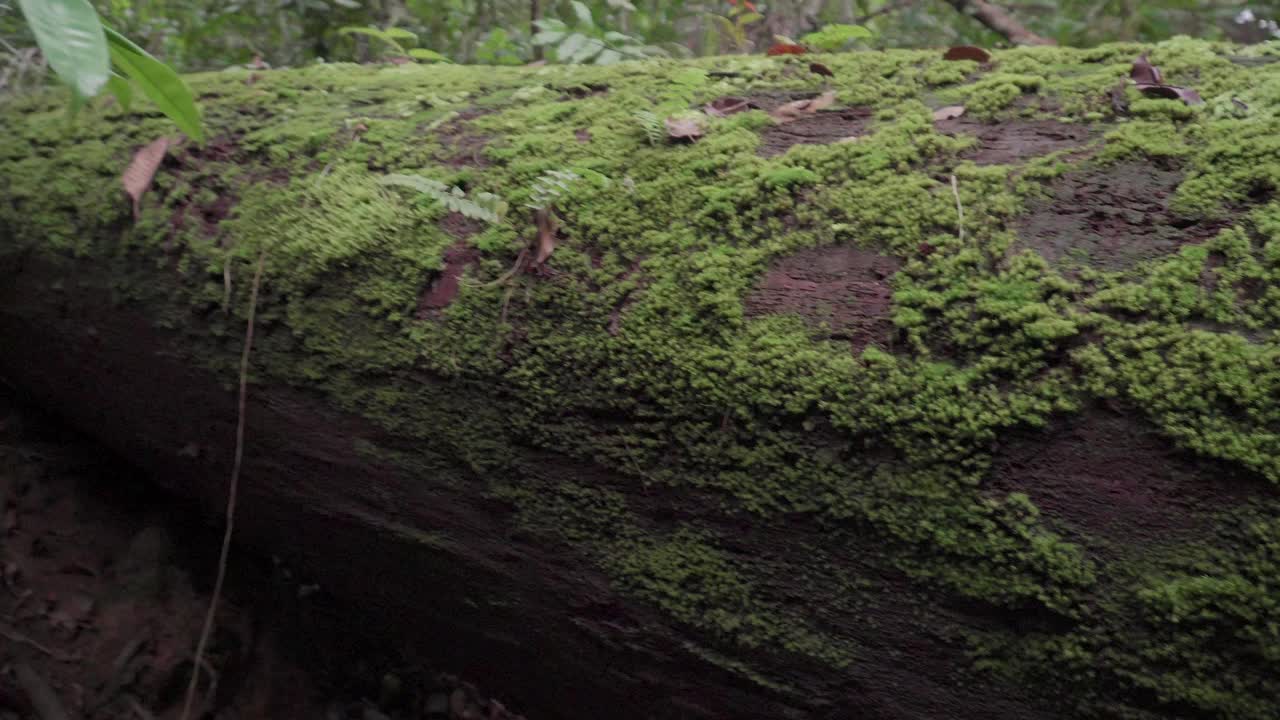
684 128
722 107
799 108
820 69
787 49
142 170
950 112
1144 73
967 52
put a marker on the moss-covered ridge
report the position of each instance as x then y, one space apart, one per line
632 350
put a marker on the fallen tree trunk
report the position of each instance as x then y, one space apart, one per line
857 410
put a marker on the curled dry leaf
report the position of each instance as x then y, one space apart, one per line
799 108
725 106
546 224
1171 92
820 69
950 112
967 52
684 128
787 49
142 170
1144 73
1150 82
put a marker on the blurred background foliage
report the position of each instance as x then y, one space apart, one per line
213 34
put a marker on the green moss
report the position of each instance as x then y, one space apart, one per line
632 360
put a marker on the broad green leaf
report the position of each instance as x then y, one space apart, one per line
427 55
552 24
371 32
725 26
158 82
69 34
583 13
588 51
608 57
749 18
614 36
348 4
547 37
119 86
400 34
571 45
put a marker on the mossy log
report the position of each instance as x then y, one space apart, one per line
871 413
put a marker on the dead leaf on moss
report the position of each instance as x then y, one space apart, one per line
725 106
950 112
142 170
819 69
787 49
967 52
1150 82
1144 73
1171 92
545 221
799 108
684 128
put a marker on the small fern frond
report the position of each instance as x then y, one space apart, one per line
651 125
482 206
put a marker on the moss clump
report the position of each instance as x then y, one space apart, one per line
633 354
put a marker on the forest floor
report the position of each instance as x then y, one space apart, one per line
104 582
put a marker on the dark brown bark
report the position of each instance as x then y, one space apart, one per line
535 14
999 20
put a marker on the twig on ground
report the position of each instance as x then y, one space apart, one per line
232 491
14 636
42 697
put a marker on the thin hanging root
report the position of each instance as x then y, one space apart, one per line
522 262
506 303
207 630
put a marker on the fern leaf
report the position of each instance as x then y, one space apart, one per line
485 206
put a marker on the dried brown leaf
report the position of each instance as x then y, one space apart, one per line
1144 73
1171 92
142 170
786 49
684 128
967 52
545 221
950 112
820 69
725 106
799 108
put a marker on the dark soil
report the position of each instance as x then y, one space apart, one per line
1112 218
463 147
1107 473
188 163
842 291
1013 141
104 585
443 286
821 128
